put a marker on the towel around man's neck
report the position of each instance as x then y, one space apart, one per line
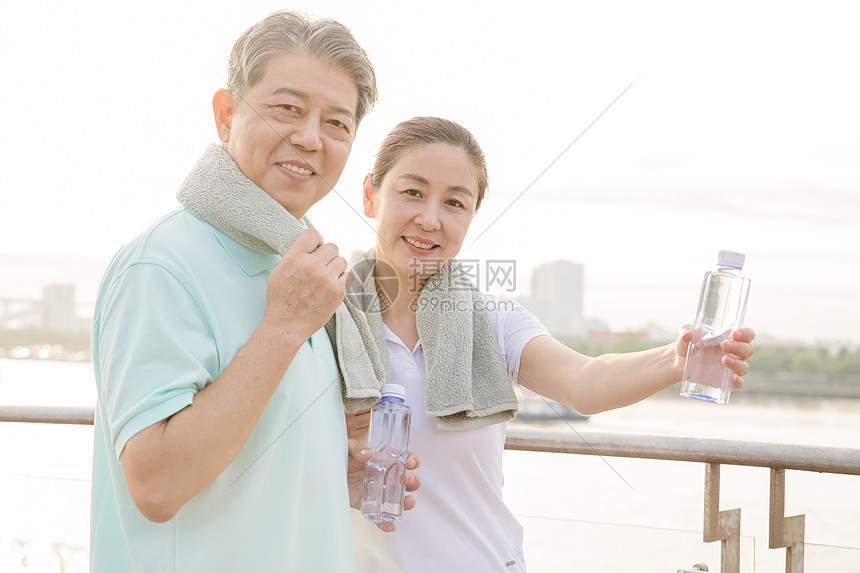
468 385
218 192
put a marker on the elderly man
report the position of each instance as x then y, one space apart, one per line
220 441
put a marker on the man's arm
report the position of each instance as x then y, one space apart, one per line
168 463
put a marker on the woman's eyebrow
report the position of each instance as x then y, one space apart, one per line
414 177
461 189
420 179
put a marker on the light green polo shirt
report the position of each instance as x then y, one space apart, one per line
175 306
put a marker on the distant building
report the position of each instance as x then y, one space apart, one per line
557 301
56 311
557 298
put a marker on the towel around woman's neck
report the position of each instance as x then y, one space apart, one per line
468 385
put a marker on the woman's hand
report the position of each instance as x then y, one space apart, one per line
738 349
359 453
357 424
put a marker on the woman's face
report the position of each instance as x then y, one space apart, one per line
423 208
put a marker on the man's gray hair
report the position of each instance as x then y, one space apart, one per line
299 33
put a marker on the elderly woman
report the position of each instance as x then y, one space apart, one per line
428 181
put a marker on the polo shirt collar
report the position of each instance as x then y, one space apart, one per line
391 337
251 261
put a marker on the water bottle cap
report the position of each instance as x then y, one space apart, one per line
395 390
731 259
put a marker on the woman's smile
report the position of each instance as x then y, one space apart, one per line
422 247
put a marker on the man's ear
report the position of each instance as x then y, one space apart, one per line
367 197
222 106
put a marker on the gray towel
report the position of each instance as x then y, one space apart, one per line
359 343
218 192
468 385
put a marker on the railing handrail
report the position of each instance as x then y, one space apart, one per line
728 452
48 414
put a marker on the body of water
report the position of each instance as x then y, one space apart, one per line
580 513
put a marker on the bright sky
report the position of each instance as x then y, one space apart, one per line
741 131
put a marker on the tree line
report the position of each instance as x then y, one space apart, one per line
71 341
768 357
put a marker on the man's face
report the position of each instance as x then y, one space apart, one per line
293 130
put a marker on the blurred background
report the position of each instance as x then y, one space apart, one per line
738 130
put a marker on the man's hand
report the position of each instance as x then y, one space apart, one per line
359 453
306 287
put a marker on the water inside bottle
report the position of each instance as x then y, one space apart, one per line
383 488
705 377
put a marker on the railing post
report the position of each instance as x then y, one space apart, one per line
784 531
719 525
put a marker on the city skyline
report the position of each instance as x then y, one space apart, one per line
26 279
56 310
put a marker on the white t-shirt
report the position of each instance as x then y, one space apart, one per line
460 522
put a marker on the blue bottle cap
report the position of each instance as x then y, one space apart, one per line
731 259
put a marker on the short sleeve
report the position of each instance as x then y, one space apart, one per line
156 349
515 327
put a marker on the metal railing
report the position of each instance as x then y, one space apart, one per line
724 526
48 414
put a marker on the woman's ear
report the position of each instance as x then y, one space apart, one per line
222 107
367 197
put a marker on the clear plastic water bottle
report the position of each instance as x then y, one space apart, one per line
722 304
383 490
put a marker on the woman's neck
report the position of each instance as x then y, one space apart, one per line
398 310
